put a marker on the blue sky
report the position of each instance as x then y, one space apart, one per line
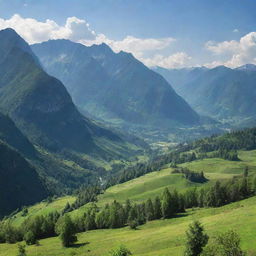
197 32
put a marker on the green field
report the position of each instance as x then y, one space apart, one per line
152 184
161 237
156 238
43 208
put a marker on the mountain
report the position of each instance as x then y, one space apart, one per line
247 67
70 148
19 184
178 77
221 92
10 134
113 87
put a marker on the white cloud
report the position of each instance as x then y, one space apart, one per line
235 30
34 31
78 30
177 60
235 53
134 45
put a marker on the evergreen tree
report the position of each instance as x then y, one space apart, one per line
21 250
157 208
225 244
30 238
244 188
166 206
246 172
67 234
127 208
149 210
133 213
229 243
141 214
196 239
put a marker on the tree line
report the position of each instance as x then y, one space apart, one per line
116 214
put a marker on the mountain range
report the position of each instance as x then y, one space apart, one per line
221 92
44 138
114 87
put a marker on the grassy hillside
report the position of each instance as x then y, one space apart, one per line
161 238
152 184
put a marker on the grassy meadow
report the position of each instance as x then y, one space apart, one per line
155 238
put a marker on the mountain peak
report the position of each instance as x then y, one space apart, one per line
247 67
10 39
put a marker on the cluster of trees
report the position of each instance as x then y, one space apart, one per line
116 215
235 140
31 230
197 177
226 154
224 244
221 193
84 195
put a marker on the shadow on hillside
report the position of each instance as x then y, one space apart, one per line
180 215
78 245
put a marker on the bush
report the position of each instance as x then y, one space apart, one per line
30 238
121 251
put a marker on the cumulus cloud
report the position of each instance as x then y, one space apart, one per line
177 60
34 31
78 30
131 44
235 53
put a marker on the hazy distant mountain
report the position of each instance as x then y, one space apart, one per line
113 87
220 92
178 77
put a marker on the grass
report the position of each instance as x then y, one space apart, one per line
43 208
161 237
152 184
156 238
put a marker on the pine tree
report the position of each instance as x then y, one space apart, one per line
157 208
30 238
166 207
149 210
229 244
244 188
21 250
196 239
67 234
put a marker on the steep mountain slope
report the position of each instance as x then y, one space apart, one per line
112 86
178 77
19 184
10 134
220 92
69 149
40 105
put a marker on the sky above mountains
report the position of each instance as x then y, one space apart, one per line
166 33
